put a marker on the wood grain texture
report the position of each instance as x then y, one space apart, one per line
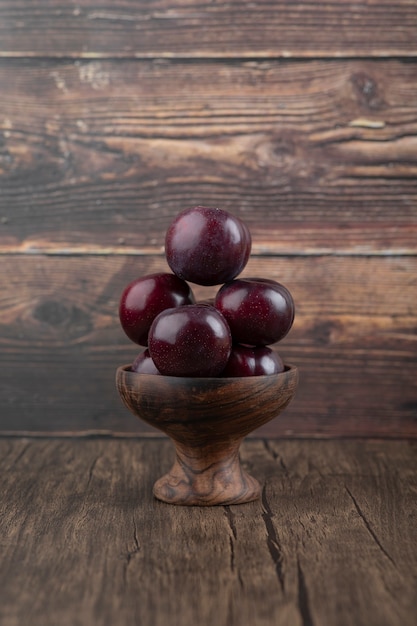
333 540
99 156
353 341
194 29
301 118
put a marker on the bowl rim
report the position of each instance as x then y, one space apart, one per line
289 368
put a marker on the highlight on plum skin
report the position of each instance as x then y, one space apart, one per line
193 341
207 246
260 312
145 297
143 364
249 361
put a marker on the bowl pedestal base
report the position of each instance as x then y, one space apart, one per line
207 475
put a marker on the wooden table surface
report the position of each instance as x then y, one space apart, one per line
83 541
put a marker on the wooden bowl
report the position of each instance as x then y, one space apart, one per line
206 418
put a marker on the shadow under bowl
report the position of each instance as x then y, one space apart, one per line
206 419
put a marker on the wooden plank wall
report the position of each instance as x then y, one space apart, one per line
299 117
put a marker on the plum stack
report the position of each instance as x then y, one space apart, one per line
227 337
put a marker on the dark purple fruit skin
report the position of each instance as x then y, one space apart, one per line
144 298
246 361
207 246
193 340
143 364
259 311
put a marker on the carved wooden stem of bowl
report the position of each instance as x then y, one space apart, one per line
204 476
206 419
